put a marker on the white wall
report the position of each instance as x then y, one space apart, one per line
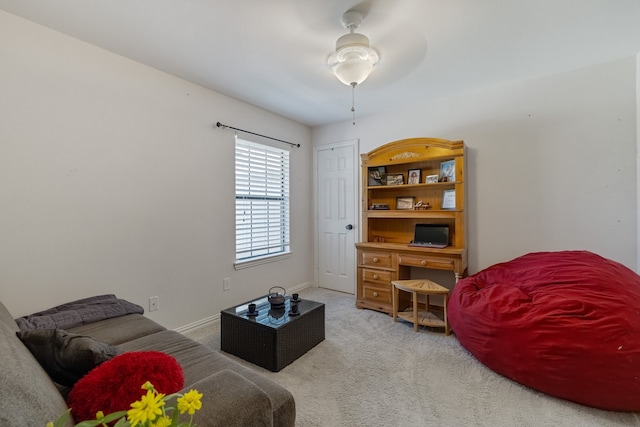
114 179
551 161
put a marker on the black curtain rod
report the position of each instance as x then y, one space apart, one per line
220 125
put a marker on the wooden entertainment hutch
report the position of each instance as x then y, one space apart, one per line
384 253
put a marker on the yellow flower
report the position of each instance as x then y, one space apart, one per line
150 411
147 408
163 421
190 402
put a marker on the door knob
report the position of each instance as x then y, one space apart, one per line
349 227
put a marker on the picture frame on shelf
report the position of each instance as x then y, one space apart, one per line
448 171
449 199
377 176
404 203
431 179
413 176
395 179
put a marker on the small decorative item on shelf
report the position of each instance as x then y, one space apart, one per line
404 203
421 206
151 410
449 199
395 179
377 176
431 179
379 206
414 176
448 171
378 239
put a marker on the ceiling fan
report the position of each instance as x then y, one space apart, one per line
354 58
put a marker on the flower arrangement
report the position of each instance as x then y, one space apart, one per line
152 410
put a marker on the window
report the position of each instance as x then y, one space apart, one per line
262 201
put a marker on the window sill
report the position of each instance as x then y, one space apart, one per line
239 265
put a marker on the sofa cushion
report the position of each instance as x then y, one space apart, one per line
65 356
27 395
199 361
117 383
221 408
118 330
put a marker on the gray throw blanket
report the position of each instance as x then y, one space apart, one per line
80 312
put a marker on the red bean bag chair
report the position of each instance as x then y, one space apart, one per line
564 323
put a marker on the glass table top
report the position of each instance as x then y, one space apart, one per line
272 317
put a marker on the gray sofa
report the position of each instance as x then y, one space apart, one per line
233 394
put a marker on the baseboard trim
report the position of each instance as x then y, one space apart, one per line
202 323
298 288
208 321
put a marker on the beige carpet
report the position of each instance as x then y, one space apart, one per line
370 371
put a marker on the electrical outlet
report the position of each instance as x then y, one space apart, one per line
154 303
226 283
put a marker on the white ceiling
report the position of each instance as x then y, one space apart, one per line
272 53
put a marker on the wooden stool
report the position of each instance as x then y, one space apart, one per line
425 318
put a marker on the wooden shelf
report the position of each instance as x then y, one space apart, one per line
413 213
404 247
425 318
386 233
440 185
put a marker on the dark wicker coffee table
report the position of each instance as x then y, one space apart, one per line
274 338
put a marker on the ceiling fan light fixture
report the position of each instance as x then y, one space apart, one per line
350 43
354 58
352 71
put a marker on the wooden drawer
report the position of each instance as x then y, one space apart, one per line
376 259
426 262
377 294
379 277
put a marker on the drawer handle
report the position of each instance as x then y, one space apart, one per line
375 277
423 262
375 294
375 260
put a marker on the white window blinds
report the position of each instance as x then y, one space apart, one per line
262 200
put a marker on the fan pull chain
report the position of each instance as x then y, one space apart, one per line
353 102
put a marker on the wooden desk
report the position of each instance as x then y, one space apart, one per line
390 213
420 318
381 263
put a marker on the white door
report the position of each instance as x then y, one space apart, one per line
336 200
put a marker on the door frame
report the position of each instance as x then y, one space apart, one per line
355 143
